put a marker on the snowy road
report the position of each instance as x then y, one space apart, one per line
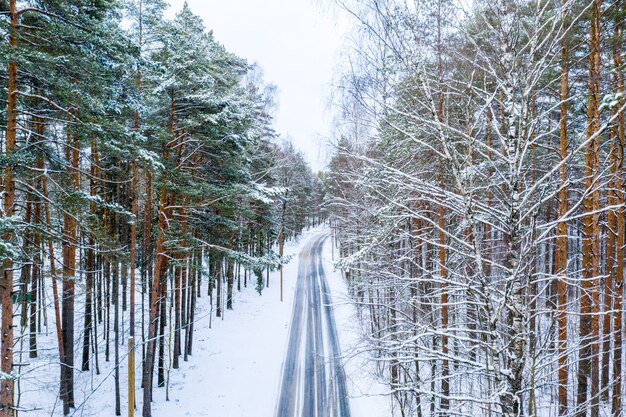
313 381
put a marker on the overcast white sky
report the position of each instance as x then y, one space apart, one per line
296 43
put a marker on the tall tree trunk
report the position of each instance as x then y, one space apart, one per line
159 266
53 273
219 267
107 299
34 280
196 278
132 320
133 246
6 279
230 276
588 367
609 289
162 322
178 274
187 279
148 272
26 268
91 259
116 329
616 403
69 275
445 366
560 262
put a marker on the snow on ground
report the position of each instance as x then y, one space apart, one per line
368 396
234 370
236 364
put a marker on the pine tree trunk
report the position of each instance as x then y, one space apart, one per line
94 341
196 279
6 273
560 256
69 277
34 280
26 268
107 302
445 367
89 279
588 368
148 272
162 322
116 329
53 274
133 247
616 403
184 294
199 281
229 283
100 290
187 295
177 309
91 260
218 278
611 229
159 266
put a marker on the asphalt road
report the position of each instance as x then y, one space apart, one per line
313 382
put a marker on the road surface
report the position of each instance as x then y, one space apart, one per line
313 382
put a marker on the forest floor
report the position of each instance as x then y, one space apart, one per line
236 364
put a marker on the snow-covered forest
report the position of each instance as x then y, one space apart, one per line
141 176
477 193
473 204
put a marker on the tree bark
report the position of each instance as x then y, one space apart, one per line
616 403
34 280
588 367
91 259
69 276
159 266
6 278
560 263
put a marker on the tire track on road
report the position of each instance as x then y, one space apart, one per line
313 349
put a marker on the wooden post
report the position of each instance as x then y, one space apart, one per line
280 251
332 243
